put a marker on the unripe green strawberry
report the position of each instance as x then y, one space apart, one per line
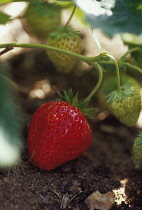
43 17
137 148
125 104
66 39
109 85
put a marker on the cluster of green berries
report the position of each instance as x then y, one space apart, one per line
44 19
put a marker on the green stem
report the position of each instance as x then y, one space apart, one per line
130 51
133 67
106 62
74 8
117 71
98 67
122 64
8 48
46 47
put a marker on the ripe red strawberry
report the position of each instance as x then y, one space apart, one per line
58 133
66 39
43 17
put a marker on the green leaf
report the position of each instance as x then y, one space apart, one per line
70 94
125 90
5 1
83 104
66 96
75 100
8 1
4 18
140 134
10 123
90 112
63 0
114 16
63 32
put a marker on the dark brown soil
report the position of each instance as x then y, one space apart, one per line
107 161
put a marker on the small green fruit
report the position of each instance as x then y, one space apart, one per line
43 18
137 148
125 104
109 85
66 39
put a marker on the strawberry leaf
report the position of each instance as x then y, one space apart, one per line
83 104
125 90
4 18
113 17
140 135
63 32
90 112
70 94
73 100
10 124
42 8
5 1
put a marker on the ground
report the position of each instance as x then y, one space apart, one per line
106 166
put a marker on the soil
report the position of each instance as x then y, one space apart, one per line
103 167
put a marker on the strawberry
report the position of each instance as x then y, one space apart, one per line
109 85
58 133
137 148
125 104
43 17
66 39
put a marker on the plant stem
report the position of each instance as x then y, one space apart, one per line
74 8
122 64
46 47
130 51
98 67
117 71
133 67
8 48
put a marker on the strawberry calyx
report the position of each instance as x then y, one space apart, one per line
140 135
43 8
63 31
126 90
74 101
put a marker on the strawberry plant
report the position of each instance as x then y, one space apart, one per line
125 104
66 39
109 84
58 131
43 17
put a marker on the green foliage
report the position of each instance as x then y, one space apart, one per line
10 123
4 18
73 100
64 0
125 90
134 41
66 32
115 16
5 1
